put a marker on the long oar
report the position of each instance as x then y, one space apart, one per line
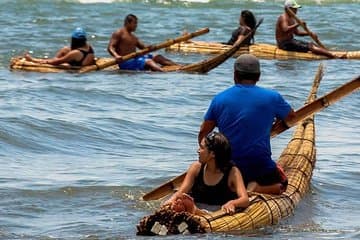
145 50
211 63
317 105
277 128
298 20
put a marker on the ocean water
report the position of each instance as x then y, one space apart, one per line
77 152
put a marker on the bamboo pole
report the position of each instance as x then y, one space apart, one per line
145 50
209 64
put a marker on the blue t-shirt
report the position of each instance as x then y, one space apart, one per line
245 114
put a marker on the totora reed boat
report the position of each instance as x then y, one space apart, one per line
297 159
20 63
260 50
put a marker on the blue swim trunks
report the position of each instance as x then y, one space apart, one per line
137 63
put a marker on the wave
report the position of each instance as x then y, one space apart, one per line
187 2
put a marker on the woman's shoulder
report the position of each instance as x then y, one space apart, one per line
234 170
196 165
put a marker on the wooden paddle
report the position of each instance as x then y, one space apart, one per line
211 63
278 127
145 50
301 23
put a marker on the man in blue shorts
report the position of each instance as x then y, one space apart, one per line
124 42
244 113
286 28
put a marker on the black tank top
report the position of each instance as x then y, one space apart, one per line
213 195
85 53
236 33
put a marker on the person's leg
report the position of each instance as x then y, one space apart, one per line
274 182
163 60
320 51
153 65
276 188
62 52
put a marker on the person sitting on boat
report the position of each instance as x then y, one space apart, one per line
286 28
247 23
80 53
124 42
212 180
244 113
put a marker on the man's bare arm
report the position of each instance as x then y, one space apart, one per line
285 27
113 43
140 44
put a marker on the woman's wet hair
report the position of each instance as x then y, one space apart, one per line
249 20
219 144
130 18
77 43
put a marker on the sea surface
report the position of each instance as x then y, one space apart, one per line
77 152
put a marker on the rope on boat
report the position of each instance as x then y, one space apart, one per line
167 222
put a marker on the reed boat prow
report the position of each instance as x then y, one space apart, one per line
21 64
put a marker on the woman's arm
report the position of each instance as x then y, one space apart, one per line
236 183
188 182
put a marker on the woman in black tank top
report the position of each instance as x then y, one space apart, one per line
247 23
213 179
79 54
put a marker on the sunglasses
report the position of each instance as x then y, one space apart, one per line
210 140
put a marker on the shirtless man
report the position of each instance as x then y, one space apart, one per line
123 42
286 27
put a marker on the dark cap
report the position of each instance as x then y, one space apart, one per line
247 63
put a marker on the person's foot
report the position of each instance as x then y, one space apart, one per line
340 55
27 57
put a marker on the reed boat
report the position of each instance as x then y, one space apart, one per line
260 50
297 159
20 63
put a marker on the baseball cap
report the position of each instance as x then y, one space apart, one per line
247 63
78 33
291 4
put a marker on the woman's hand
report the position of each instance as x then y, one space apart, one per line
229 207
181 203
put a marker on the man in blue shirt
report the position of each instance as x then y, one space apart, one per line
244 113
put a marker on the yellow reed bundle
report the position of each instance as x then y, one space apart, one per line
261 50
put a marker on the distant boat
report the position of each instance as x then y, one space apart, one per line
261 50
